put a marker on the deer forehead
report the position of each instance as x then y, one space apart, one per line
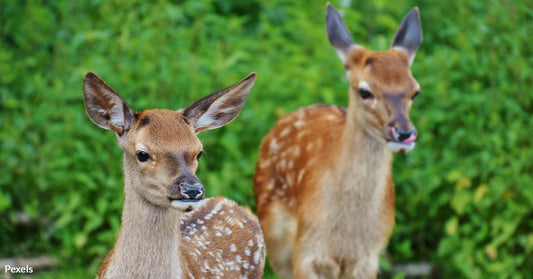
164 131
384 71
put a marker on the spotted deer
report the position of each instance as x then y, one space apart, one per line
168 229
323 183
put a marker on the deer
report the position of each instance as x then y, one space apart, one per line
168 228
323 182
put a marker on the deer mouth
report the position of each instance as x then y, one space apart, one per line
185 205
400 147
400 141
184 196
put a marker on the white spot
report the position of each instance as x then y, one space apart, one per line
229 220
300 175
302 134
299 124
296 151
290 180
274 146
331 117
284 120
281 165
301 114
233 248
264 163
257 256
285 132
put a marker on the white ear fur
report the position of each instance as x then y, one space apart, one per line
221 107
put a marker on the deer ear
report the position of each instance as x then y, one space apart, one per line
409 35
338 33
221 107
105 107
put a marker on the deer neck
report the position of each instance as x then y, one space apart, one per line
362 162
149 237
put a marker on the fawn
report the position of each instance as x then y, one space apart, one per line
168 229
323 183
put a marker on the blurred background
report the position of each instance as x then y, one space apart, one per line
464 195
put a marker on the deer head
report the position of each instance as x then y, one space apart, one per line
161 149
382 88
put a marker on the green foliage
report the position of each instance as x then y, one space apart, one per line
464 194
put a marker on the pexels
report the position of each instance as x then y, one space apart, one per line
18 269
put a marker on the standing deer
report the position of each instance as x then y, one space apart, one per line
168 229
323 183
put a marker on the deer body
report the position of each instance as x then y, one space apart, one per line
323 182
205 243
168 229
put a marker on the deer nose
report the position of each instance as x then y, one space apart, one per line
192 191
403 136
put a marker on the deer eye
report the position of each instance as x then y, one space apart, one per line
365 94
143 156
415 95
199 155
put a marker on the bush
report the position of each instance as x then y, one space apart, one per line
464 194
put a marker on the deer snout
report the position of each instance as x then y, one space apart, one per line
401 136
186 196
186 191
194 191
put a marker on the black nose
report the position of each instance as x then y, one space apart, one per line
194 191
402 135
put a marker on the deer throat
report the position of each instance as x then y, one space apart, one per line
148 242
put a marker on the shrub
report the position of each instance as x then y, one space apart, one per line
463 195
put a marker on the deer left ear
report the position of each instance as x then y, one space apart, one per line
338 34
409 35
105 107
219 108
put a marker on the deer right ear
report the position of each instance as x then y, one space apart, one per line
409 35
221 107
105 107
338 33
